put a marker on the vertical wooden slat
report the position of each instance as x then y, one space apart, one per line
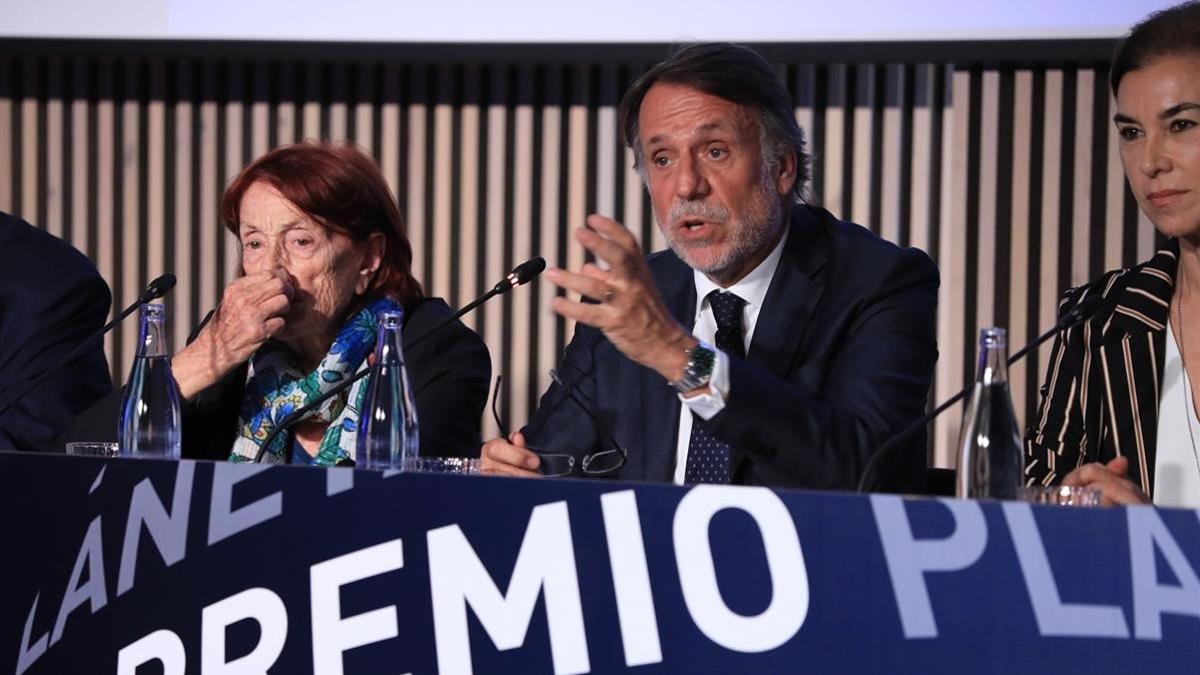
339 112
364 108
6 139
576 174
634 196
1114 188
208 277
1018 279
106 233
30 130
155 171
835 129
551 233
285 109
415 189
951 261
185 311
922 158
1051 190
234 110
863 100
1081 215
985 273
129 195
310 110
804 84
467 194
497 117
80 143
889 197
260 112
520 368
443 192
606 154
945 435
53 189
389 154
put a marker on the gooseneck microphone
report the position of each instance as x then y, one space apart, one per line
1082 311
154 290
519 276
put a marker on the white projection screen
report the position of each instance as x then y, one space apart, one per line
570 21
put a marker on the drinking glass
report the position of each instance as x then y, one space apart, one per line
460 465
92 449
1061 495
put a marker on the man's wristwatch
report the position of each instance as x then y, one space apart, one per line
701 359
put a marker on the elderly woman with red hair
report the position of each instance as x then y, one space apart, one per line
323 251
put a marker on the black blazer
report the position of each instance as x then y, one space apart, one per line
450 372
1104 378
51 299
842 357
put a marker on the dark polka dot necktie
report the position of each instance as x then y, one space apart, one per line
708 458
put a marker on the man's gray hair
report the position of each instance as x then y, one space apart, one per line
739 75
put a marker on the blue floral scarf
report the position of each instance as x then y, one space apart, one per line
275 388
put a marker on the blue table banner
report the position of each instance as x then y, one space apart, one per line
137 566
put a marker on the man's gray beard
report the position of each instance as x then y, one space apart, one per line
752 232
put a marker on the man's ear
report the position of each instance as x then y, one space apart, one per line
785 174
376 247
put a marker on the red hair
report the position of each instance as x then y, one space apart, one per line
342 189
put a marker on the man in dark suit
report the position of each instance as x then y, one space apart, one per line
773 344
51 299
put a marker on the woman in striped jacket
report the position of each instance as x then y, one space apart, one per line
1119 408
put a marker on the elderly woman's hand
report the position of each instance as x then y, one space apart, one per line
252 309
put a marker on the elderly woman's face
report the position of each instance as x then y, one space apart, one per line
1158 127
327 268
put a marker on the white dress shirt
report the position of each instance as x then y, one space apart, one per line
753 289
1176 470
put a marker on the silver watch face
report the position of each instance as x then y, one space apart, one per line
701 359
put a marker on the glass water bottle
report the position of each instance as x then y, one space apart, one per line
990 457
387 422
150 415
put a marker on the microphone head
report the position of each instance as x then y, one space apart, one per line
158 288
521 275
526 271
1083 310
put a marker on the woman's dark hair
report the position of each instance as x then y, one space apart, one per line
343 190
737 74
1174 31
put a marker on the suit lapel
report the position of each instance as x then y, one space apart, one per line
796 288
1136 334
784 322
1131 401
661 417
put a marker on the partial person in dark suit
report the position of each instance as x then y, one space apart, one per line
323 252
1119 409
51 300
773 344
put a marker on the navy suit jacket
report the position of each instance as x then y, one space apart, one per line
51 299
842 357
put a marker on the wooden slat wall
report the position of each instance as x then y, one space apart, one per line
1006 175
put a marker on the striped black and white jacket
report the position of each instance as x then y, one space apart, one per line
1103 380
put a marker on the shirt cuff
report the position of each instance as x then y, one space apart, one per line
711 401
